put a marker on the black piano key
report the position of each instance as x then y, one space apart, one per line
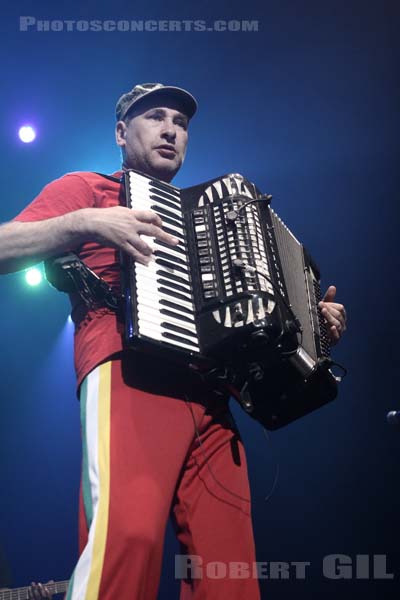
176 234
175 306
172 336
159 207
171 257
159 188
170 265
163 211
174 294
178 329
169 247
176 315
166 219
175 286
167 203
168 275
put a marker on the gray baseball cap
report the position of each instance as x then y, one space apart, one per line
144 90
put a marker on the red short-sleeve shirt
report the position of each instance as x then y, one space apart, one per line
98 333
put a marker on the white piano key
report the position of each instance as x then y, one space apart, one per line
153 267
155 316
167 303
149 284
154 276
186 337
138 187
154 332
142 204
157 336
146 183
158 203
149 297
172 253
155 305
150 197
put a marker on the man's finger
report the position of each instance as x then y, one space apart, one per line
330 309
332 318
334 334
158 233
136 254
147 216
330 294
335 305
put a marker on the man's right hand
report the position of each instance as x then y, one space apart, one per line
122 228
22 244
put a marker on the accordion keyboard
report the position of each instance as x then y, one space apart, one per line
164 300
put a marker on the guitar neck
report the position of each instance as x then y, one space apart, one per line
23 593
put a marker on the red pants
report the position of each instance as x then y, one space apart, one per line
142 462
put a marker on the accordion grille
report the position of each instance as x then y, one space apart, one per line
292 261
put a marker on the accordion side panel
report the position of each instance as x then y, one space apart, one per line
292 260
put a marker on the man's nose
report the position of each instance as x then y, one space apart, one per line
168 130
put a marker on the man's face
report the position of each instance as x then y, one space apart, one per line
154 139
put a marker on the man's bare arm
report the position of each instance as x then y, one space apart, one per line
25 243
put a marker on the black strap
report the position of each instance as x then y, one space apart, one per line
110 177
67 273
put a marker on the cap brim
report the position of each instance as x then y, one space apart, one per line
186 100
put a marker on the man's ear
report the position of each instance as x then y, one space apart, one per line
120 133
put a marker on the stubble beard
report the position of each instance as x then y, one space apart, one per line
164 173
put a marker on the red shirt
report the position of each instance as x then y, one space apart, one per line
98 333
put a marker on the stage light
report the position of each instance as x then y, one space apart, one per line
26 134
33 276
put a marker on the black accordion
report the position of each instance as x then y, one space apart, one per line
236 300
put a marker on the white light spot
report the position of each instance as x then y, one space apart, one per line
33 276
27 134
